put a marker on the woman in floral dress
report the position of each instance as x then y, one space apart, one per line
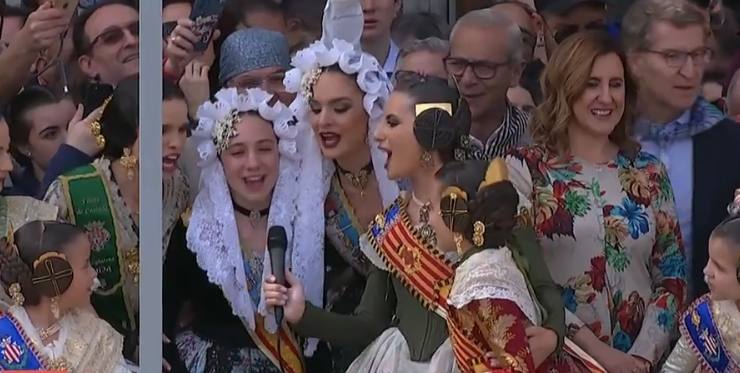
604 211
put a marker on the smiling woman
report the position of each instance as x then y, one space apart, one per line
604 211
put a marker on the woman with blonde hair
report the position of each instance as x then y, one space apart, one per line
604 210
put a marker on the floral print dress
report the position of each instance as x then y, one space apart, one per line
611 240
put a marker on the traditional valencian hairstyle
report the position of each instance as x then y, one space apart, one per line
479 203
33 263
442 121
564 80
213 234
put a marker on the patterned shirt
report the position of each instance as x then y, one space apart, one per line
611 240
511 133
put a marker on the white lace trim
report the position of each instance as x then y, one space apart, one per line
212 233
492 273
371 79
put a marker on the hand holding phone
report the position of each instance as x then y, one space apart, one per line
205 16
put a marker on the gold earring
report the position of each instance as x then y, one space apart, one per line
55 307
129 162
479 229
458 242
426 159
16 295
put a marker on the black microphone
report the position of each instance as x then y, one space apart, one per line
277 243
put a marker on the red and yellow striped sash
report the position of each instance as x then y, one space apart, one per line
290 356
419 266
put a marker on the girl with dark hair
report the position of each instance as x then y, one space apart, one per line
175 129
490 289
424 126
103 197
38 122
250 155
50 279
709 328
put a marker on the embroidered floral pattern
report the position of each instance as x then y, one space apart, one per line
612 241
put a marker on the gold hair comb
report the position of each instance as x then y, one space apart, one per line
497 171
444 106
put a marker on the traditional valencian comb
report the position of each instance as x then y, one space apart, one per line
496 172
444 106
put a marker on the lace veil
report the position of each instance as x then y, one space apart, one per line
212 233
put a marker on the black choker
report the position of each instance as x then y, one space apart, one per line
253 215
360 179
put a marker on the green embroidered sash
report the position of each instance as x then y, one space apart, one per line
91 207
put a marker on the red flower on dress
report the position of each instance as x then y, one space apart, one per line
598 273
630 314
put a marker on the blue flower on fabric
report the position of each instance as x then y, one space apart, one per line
672 264
635 215
622 341
666 319
569 298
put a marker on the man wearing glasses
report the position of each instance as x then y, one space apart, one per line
485 60
667 46
106 41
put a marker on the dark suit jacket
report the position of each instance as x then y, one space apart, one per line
716 176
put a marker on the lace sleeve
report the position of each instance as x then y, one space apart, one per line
55 196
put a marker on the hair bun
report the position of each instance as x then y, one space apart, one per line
52 274
435 129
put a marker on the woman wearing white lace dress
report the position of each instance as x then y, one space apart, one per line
250 158
50 279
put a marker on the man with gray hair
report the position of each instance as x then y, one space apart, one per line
667 47
423 57
485 61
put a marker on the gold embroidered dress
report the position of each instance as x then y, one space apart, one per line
175 199
710 339
89 197
85 343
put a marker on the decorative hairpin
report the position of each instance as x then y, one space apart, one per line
96 127
225 130
495 173
444 106
309 80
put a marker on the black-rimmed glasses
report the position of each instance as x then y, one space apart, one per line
677 59
483 70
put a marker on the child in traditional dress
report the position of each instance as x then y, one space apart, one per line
710 328
50 280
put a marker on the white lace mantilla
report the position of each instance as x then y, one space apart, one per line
371 79
492 273
212 233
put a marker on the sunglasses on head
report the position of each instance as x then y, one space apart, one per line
116 34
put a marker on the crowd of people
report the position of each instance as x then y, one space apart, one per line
534 187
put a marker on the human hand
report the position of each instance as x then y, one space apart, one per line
195 85
542 343
43 28
79 133
291 299
180 48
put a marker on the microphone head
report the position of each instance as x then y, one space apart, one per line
277 238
